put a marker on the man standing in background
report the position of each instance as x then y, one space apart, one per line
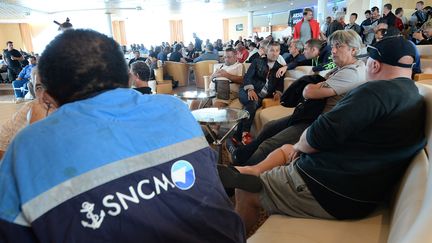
198 42
352 24
307 28
12 58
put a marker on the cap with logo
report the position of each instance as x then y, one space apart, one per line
390 50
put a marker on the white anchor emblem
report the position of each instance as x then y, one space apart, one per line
96 220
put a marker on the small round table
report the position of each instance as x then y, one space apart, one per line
197 95
219 116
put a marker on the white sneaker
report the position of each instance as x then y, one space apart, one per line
19 100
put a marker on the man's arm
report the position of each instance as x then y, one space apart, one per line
198 59
303 146
233 78
12 229
318 91
248 78
22 73
15 55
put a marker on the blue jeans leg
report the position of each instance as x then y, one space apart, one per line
17 85
251 106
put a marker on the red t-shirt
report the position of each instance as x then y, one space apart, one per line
242 55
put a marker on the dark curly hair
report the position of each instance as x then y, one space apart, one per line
79 64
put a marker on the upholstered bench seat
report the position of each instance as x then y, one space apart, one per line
281 229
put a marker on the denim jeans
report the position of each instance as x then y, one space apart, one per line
251 106
17 85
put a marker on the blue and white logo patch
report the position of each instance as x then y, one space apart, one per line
183 174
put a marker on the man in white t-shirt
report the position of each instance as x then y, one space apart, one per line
231 71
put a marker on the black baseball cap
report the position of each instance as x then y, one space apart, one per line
390 49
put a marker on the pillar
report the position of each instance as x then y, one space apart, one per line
359 7
378 3
322 11
110 30
250 23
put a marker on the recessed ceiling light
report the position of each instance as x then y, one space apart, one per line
291 3
265 6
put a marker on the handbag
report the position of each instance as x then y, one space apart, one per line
222 87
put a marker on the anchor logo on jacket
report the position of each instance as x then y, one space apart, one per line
96 220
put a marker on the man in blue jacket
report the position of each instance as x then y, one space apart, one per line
20 84
108 165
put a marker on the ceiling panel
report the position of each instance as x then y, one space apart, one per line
26 9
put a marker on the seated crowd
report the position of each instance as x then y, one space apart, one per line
104 162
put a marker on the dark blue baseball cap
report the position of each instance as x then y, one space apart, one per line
391 49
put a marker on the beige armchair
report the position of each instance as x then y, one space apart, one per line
201 69
425 52
179 71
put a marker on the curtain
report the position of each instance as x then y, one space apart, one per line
119 32
26 37
176 30
225 28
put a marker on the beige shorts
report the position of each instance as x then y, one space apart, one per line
285 192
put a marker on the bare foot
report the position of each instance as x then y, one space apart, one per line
250 170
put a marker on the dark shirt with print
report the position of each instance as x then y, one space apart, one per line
13 64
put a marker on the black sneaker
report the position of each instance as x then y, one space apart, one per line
232 178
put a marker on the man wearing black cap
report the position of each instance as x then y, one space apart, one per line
349 159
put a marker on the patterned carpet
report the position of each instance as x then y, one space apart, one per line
226 159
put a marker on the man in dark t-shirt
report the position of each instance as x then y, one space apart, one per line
12 58
176 55
136 58
350 158
140 75
198 42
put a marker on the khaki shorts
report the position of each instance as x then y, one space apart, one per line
285 192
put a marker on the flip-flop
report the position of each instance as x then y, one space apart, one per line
232 178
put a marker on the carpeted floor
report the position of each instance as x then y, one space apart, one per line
263 215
